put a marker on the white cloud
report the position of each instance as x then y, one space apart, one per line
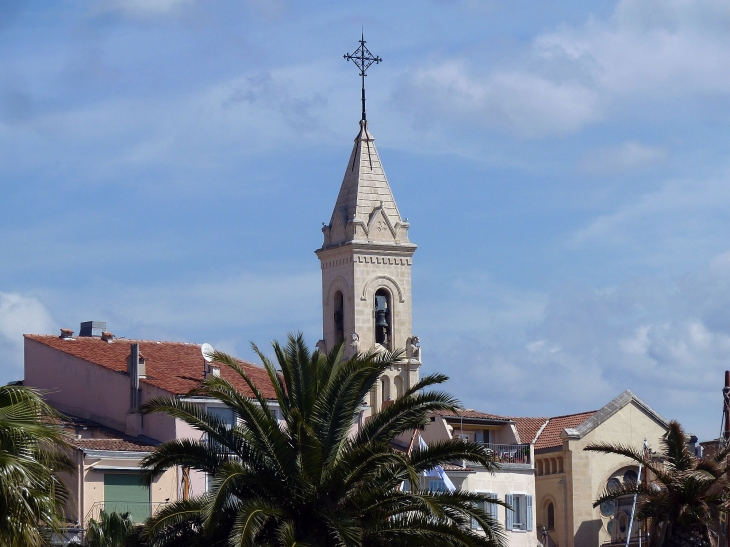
640 61
679 219
19 315
666 339
627 156
524 104
143 8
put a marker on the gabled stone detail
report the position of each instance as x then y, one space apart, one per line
364 192
608 411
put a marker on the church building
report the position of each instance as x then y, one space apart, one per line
366 260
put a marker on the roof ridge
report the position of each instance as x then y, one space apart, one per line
608 410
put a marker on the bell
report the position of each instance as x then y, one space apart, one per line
380 320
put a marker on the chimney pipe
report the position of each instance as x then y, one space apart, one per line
133 370
66 333
107 337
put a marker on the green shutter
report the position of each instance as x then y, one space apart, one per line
126 493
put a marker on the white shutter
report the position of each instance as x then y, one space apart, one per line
528 508
509 514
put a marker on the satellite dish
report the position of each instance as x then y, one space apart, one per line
207 351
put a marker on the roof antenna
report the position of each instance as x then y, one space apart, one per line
362 59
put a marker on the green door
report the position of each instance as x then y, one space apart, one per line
126 493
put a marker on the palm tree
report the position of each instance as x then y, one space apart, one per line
686 493
31 455
111 530
312 481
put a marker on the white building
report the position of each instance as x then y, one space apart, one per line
513 483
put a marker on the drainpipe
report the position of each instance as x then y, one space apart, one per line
80 456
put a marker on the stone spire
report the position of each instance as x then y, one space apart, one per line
365 209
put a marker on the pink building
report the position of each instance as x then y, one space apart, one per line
103 380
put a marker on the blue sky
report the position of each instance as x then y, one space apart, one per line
166 166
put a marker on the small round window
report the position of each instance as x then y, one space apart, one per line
613 484
609 527
630 476
608 507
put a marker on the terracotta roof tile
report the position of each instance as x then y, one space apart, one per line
550 436
99 437
112 444
528 428
176 367
471 413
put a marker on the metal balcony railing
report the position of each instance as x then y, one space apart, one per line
511 453
139 510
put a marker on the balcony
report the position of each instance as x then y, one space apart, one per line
511 455
139 511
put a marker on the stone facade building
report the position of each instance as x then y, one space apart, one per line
569 479
366 260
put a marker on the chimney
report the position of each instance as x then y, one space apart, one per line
107 337
92 328
133 371
67 333
215 371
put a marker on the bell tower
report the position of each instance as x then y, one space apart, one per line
366 262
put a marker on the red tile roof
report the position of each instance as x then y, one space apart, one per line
98 437
471 413
176 367
550 436
112 444
528 428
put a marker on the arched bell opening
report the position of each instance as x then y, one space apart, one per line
339 317
385 388
398 382
383 318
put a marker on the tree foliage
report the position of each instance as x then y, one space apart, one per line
110 530
685 496
31 454
311 480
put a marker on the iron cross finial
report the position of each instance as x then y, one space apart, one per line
362 59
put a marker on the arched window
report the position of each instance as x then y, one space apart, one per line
339 317
385 388
398 381
550 516
383 318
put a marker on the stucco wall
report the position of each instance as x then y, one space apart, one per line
507 481
77 387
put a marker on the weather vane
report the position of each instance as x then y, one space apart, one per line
362 59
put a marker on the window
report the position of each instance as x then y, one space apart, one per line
520 517
436 485
228 417
383 318
482 436
489 508
550 516
339 317
225 414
